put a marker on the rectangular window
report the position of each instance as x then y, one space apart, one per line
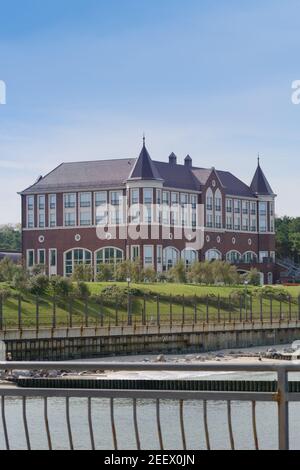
135 253
245 207
52 210
209 220
30 220
194 200
237 206
263 256
115 198
41 203
52 201
245 224
30 211
85 200
42 257
52 219
101 199
148 196
262 209
237 223
253 208
148 255
218 221
253 225
85 218
135 196
30 259
70 219
263 224
218 204
52 257
166 198
229 223
229 205
41 219
70 201
209 203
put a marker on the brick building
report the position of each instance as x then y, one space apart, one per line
64 212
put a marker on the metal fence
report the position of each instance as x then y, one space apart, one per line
36 312
137 398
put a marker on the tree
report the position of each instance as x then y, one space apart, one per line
10 237
178 273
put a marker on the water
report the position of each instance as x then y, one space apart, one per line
193 414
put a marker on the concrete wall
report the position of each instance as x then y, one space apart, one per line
76 343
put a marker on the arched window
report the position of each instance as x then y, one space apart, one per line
213 255
233 256
109 255
249 257
209 199
189 256
75 257
170 258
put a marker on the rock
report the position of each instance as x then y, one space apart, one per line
53 374
161 358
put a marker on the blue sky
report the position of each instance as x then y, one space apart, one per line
86 78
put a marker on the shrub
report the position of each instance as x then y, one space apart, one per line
21 279
105 273
82 290
39 284
253 277
149 275
82 272
129 269
61 286
7 270
4 294
178 273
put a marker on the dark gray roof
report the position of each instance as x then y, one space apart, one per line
260 184
177 176
86 175
144 168
14 256
115 173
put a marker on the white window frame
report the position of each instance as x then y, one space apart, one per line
70 210
148 265
27 258
30 212
52 212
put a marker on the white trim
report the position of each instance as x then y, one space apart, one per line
49 262
27 252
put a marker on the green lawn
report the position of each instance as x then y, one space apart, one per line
207 307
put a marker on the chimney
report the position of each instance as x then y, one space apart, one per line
173 159
188 162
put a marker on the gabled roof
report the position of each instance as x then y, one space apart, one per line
106 174
144 169
86 175
260 184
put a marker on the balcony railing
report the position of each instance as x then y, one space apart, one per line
97 418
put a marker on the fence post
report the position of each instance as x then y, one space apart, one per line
117 313
101 312
129 311
251 308
145 311
271 309
261 308
219 309
20 312
230 307
290 308
37 314
283 409
241 309
54 313
171 310
86 312
183 309
195 310
207 310
158 311
280 310
299 308
1 313
70 313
